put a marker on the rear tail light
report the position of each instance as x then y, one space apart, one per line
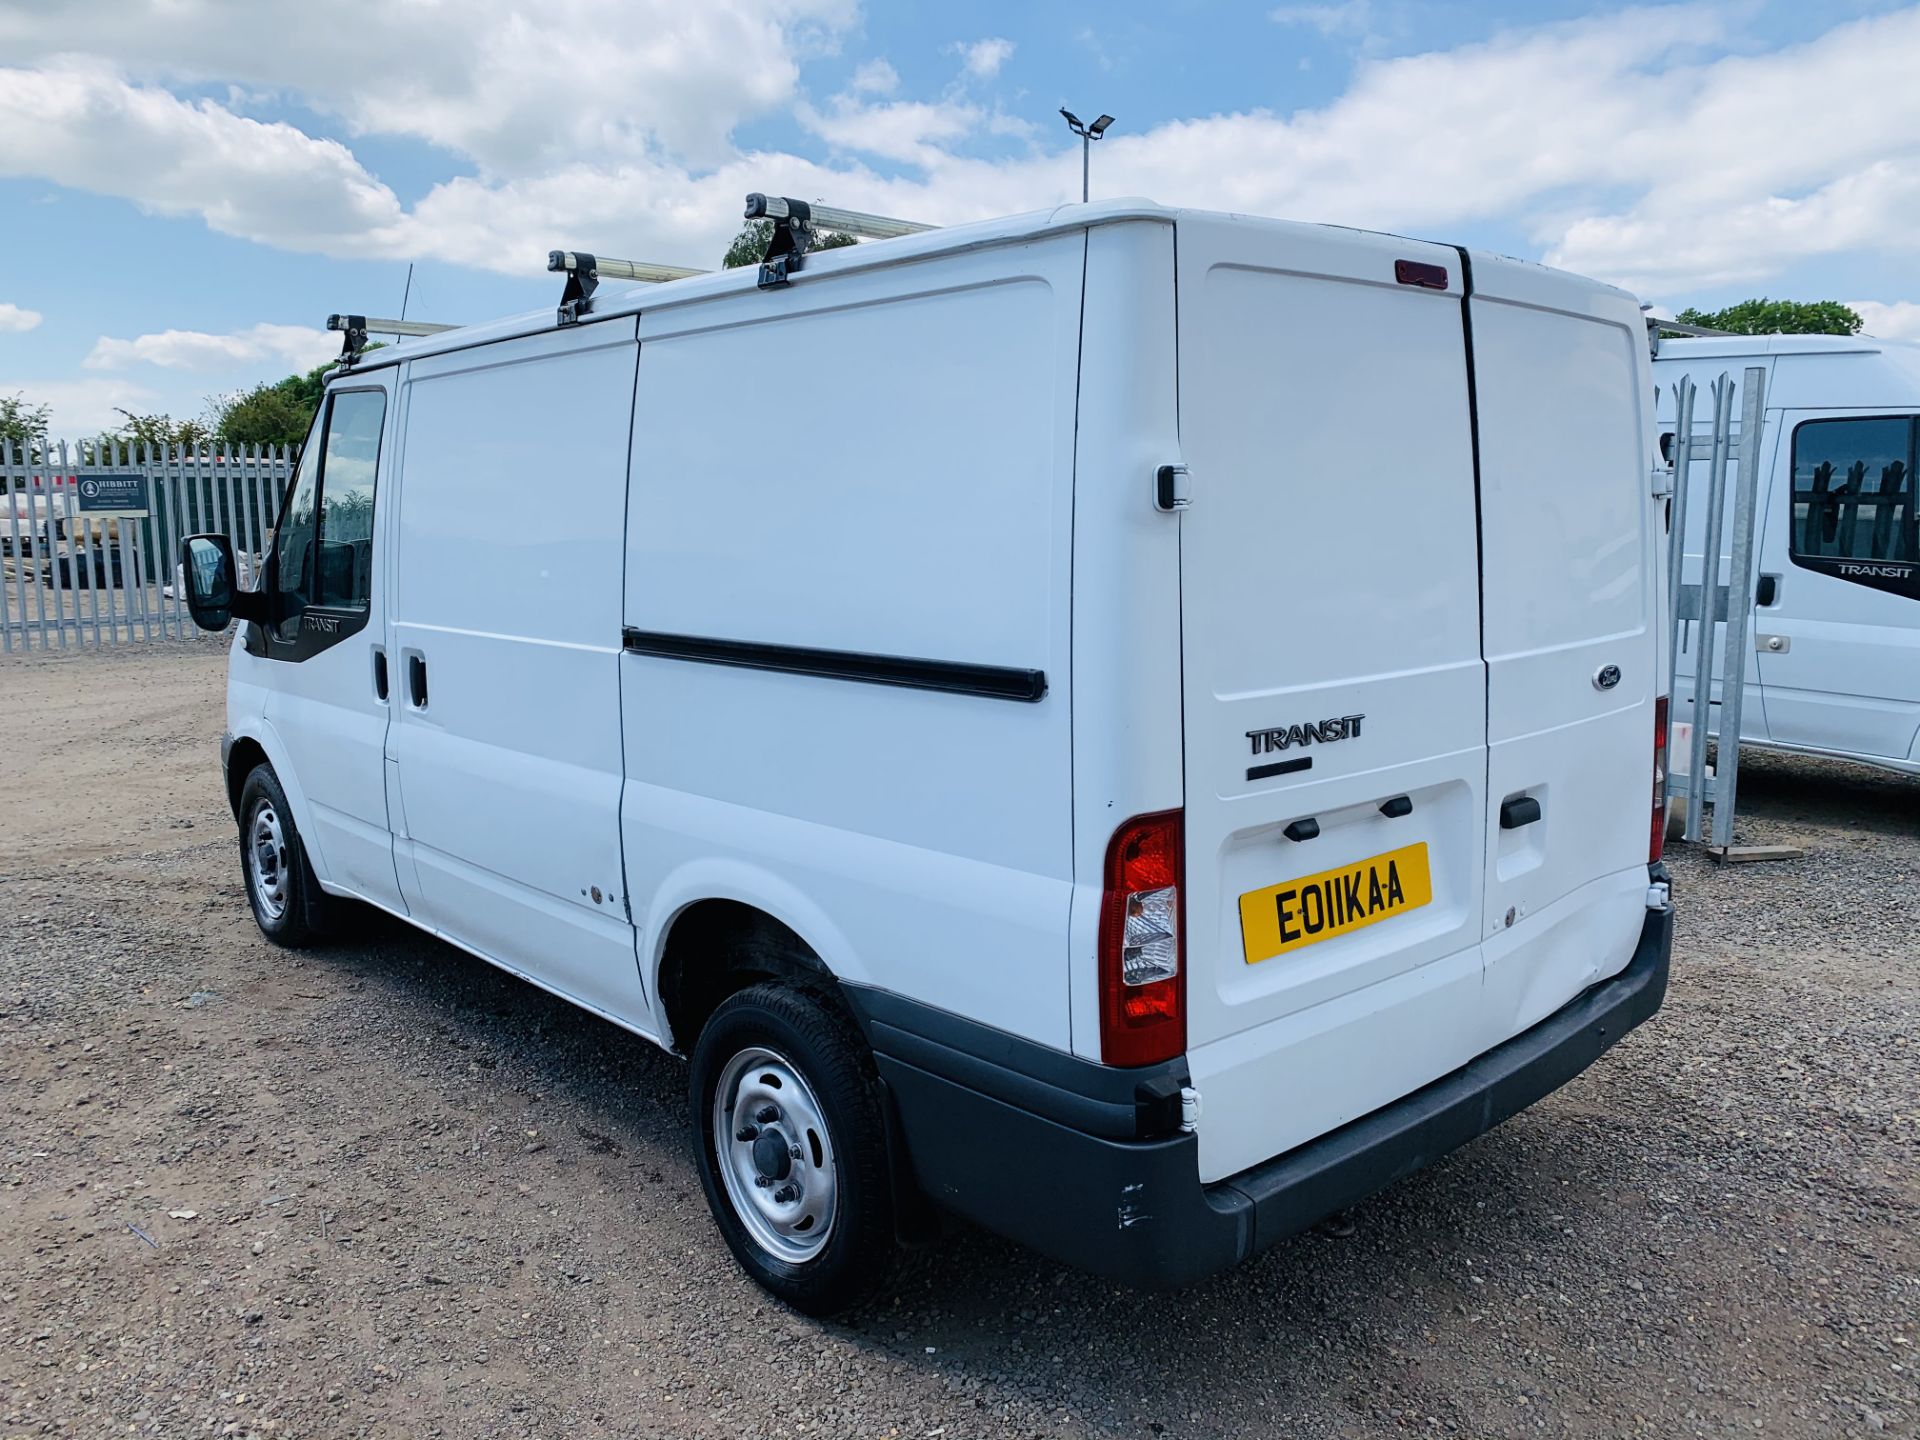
1657 837
1143 1001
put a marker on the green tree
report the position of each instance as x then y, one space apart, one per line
749 247
155 431
23 427
1777 317
276 414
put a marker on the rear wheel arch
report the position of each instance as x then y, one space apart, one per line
715 948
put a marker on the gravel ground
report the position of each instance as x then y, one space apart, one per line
384 1190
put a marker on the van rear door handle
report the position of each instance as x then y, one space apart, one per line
1520 810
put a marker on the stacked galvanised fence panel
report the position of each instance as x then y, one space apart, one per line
71 577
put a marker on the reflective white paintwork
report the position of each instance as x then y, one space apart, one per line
944 447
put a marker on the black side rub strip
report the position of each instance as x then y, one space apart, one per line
991 682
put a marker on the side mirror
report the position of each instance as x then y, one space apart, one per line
207 561
214 597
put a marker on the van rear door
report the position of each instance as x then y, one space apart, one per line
1334 692
1565 389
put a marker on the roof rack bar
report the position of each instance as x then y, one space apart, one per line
386 327
585 271
828 217
354 329
793 225
608 268
1675 327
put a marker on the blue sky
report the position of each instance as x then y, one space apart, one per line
191 186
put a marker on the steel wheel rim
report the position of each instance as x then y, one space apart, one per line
783 1189
267 860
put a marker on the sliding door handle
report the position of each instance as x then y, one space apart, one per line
380 673
417 680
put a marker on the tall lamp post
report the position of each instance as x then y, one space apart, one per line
1088 134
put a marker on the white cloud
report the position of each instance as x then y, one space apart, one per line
983 58
84 408
1609 141
15 320
80 125
1897 321
515 88
1350 17
909 130
1737 183
299 346
874 77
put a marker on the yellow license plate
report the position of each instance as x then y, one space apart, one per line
1297 913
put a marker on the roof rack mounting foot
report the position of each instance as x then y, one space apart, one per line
794 223
791 239
583 278
353 336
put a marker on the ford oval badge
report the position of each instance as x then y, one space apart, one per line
1606 677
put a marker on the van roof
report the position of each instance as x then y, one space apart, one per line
614 299
1674 347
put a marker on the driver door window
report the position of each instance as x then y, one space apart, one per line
323 549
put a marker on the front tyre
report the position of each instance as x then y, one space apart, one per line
792 1148
287 901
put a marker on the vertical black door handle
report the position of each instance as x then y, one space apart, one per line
1767 591
380 673
417 681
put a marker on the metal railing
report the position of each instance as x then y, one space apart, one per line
90 535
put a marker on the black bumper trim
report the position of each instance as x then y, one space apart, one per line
1136 1211
1100 1099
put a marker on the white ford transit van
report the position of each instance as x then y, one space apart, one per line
1834 667
1134 726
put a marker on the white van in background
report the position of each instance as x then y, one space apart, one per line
1834 667
1147 746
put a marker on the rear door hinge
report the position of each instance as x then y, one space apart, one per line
1172 488
1662 482
1189 1109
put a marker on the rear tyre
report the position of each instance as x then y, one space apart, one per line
288 904
792 1148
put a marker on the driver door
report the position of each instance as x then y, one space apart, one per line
1837 613
328 693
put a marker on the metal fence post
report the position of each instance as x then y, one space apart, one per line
1753 412
1709 607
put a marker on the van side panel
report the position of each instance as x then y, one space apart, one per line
1569 550
1126 574
889 476
508 588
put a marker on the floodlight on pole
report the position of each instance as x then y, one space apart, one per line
1088 134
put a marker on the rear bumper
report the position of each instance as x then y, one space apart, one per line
1043 1148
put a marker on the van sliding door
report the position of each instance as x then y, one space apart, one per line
505 655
